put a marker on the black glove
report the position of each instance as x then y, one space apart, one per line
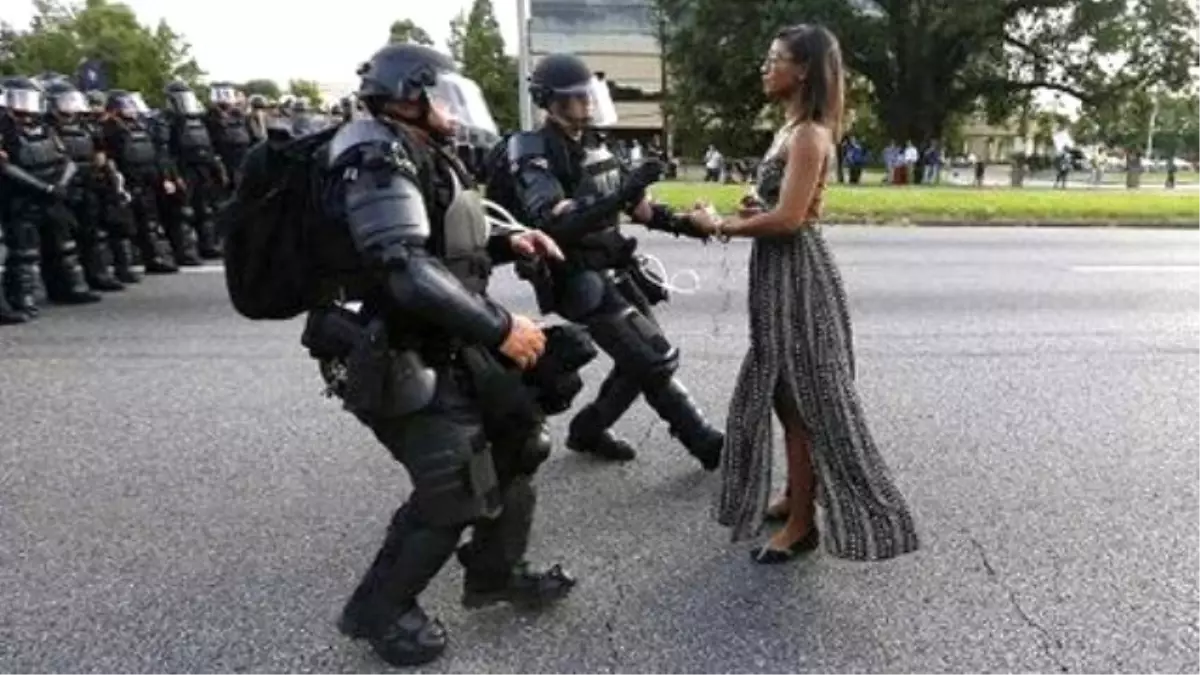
57 191
664 220
633 188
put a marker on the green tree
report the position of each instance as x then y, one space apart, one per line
929 60
268 88
136 57
405 30
306 88
478 47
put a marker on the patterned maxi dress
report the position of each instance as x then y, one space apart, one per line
801 350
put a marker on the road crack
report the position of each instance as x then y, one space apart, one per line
1051 646
610 622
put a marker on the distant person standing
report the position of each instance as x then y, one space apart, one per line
635 153
712 165
1172 169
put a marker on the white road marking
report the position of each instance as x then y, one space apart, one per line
203 269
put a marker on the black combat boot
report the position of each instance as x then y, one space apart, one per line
383 609
97 268
589 431
8 315
209 247
675 406
522 587
123 261
494 559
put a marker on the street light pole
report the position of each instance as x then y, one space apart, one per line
526 107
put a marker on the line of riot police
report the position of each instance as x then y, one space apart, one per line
92 186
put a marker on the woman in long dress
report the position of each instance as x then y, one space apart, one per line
801 360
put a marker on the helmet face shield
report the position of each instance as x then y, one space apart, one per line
28 101
70 103
461 100
186 103
602 112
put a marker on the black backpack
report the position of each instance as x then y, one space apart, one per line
497 175
267 226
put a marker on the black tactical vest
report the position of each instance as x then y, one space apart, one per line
233 136
138 154
39 153
195 147
79 144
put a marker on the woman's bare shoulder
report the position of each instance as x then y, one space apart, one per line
809 139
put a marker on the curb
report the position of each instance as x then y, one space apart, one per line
1143 225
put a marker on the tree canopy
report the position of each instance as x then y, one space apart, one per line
134 56
405 30
928 61
478 47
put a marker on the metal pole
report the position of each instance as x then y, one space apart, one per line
523 65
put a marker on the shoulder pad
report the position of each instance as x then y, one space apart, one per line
366 131
525 146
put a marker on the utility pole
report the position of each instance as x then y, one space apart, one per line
523 65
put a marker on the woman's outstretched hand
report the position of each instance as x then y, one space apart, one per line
704 218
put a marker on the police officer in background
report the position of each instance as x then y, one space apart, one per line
201 171
34 174
228 128
8 315
420 255
67 107
575 191
126 139
256 120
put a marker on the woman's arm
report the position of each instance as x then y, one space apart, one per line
807 150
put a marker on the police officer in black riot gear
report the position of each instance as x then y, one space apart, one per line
203 176
8 315
67 107
127 140
420 255
34 174
576 191
229 129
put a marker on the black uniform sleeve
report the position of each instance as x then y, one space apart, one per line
385 212
540 192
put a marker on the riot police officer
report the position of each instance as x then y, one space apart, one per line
35 171
126 139
84 194
228 128
195 158
421 248
576 192
256 122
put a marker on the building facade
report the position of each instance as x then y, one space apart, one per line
618 38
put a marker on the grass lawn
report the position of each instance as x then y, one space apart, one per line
965 204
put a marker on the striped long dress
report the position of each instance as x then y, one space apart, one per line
801 349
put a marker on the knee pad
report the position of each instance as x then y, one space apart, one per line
637 346
453 485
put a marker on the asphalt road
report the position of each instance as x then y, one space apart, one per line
175 494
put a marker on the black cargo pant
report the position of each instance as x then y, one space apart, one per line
618 316
444 447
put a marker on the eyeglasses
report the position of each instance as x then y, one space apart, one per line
773 58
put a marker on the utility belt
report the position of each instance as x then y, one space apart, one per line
373 377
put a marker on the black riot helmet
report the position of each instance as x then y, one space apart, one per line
96 101
23 99
182 100
559 77
257 101
123 104
411 73
64 101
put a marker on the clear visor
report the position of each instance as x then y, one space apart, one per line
187 103
223 95
139 103
24 101
602 112
462 100
70 103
